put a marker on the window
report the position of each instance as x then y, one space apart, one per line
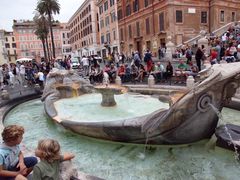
112 2
119 14
138 28
146 3
128 10
7 45
13 39
108 37
101 23
6 39
113 17
130 32
100 10
179 17
204 17
106 6
14 45
114 35
222 16
147 26
102 39
63 35
135 5
121 34
233 16
161 22
107 21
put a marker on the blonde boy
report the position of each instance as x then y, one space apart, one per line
12 162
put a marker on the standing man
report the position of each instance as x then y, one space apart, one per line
22 74
1 77
148 61
198 57
85 63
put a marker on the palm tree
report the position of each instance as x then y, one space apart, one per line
49 7
42 31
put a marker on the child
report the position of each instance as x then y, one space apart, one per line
12 162
48 151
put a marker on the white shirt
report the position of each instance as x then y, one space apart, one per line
85 61
22 69
40 76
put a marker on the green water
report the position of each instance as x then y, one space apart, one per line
88 107
114 161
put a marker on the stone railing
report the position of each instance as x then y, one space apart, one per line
217 32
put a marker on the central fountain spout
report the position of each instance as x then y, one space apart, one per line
108 93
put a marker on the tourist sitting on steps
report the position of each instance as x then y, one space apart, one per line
158 72
169 71
141 73
180 72
121 72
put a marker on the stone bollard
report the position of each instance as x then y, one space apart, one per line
151 81
190 82
118 81
5 95
237 95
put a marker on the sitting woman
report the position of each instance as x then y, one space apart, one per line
133 71
92 74
213 56
169 71
98 76
141 73
121 72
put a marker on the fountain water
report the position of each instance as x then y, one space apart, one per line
110 160
224 124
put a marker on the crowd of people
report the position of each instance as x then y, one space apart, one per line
24 73
131 69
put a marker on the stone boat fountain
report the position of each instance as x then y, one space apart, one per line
191 118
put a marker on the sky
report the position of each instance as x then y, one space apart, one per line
24 9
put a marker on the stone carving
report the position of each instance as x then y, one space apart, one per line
191 118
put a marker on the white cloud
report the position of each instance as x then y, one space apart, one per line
24 9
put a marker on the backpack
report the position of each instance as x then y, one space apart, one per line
188 54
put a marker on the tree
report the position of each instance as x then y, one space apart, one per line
42 31
49 7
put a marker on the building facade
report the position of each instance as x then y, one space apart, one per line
146 24
84 30
66 46
3 52
10 45
27 43
108 27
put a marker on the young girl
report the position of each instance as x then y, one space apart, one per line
48 151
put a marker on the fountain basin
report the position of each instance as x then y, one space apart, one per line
189 119
85 115
111 159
